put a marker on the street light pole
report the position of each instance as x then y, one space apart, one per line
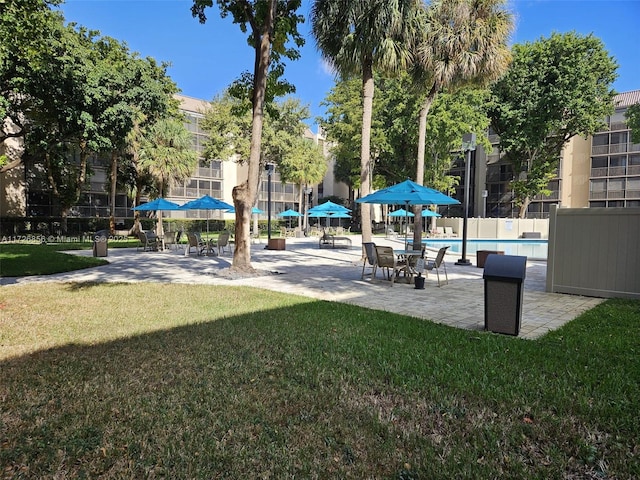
468 145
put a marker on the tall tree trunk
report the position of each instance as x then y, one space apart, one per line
114 179
365 148
244 195
524 207
422 143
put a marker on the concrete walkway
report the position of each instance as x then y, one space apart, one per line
334 275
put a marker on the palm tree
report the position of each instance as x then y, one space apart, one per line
357 37
167 155
464 42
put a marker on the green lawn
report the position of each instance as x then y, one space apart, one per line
178 381
23 259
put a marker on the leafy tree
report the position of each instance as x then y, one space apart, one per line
298 160
359 37
464 43
60 126
556 88
394 130
633 121
167 155
270 25
343 128
131 88
28 28
304 164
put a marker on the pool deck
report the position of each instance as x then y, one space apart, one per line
335 275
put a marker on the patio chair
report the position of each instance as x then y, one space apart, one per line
194 240
172 239
437 263
448 232
223 242
369 257
391 233
148 241
386 258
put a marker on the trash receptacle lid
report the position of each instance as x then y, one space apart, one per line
505 266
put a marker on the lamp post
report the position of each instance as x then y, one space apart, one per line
270 168
468 145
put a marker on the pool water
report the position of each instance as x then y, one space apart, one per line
533 249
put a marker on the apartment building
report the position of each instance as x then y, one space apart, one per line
599 171
25 191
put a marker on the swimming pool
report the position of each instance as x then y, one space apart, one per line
532 249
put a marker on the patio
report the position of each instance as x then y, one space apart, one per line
334 275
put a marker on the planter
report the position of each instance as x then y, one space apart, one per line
419 282
481 256
276 244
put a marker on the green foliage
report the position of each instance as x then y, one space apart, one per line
556 88
451 116
21 260
304 163
166 153
80 94
253 17
27 34
229 135
394 130
633 121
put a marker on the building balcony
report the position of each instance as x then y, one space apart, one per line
600 150
619 126
618 148
633 170
617 171
600 172
597 195
615 194
633 194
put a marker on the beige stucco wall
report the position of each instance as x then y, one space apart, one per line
13 196
576 170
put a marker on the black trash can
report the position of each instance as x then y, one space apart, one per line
503 291
100 243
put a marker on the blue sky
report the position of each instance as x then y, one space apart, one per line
205 59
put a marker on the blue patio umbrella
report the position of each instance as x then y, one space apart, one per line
206 202
253 210
408 193
317 214
289 213
430 213
157 205
339 215
401 212
329 207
